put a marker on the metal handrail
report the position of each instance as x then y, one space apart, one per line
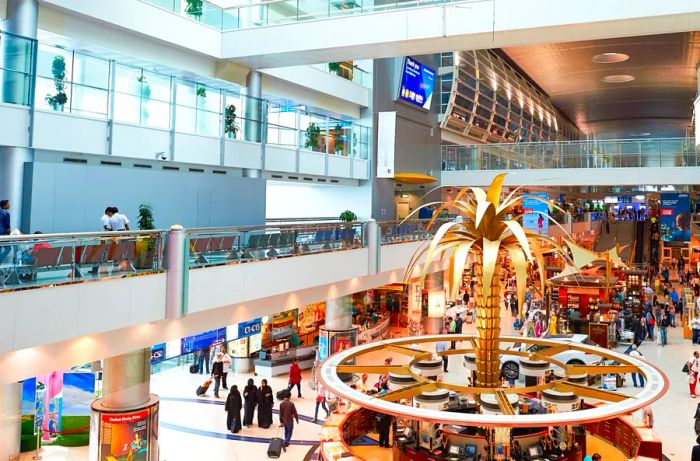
81 235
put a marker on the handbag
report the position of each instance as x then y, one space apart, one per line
319 398
685 368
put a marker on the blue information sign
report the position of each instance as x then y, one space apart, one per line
158 353
417 83
249 328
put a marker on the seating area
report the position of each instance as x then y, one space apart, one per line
212 248
399 233
41 262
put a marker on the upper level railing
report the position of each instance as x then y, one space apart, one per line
40 260
275 12
616 153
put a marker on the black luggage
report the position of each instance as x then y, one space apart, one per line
281 394
274 449
194 368
201 390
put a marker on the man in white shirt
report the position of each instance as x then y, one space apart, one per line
104 220
635 353
118 221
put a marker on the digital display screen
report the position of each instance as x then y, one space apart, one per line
454 450
470 450
417 83
202 340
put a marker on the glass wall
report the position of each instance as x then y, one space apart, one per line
68 81
91 86
16 69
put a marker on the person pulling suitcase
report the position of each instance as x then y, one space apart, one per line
288 414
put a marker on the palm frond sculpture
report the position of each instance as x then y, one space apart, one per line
485 232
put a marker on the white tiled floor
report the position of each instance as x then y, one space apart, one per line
673 413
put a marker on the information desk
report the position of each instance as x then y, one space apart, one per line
278 363
633 440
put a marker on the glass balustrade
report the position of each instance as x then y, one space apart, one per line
617 153
276 12
16 69
41 260
242 244
52 259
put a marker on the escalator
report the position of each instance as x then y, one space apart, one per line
640 243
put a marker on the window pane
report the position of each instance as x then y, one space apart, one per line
126 108
91 71
89 101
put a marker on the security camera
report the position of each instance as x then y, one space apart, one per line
161 156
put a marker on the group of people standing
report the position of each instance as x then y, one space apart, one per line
253 397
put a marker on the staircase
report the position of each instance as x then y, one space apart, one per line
621 233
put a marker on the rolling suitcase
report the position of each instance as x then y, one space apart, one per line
194 368
201 390
274 449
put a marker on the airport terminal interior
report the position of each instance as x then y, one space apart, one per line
371 230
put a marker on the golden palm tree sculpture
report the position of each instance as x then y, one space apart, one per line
486 232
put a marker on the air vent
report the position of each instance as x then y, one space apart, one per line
320 180
277 176
196 170
335 181
108 163
171 168
293 177
218 171
308 179
74 160
141 165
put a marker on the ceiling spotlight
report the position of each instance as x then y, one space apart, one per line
618 78
609 58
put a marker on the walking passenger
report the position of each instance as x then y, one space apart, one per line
217 371
295 377
265 403
693 370
250 399
233 410
288 414
321 401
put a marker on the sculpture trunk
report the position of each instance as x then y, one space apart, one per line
488 327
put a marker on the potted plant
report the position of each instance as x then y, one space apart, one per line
230 125
58 71
347 216
313 137
201 92
334 67
347 234
145 97
195 8
145 246
338 144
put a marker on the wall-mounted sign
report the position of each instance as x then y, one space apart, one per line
386 137
417 83
249 328
158 353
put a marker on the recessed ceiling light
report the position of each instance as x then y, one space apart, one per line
608 58
618 78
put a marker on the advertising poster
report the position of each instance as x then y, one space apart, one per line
675 216
386 144
536 213
322 352
310 317
284 324
124 436
417 83
29 408
78 394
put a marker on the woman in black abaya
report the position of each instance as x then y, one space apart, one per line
250 399
233 410
265 404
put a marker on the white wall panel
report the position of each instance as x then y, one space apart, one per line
312 163
69 133
139 141
339 166
280 159
299 200
360 169
197 149
243 154
14 123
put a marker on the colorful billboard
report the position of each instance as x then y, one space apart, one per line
202 340
124 436
536 212
675 216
